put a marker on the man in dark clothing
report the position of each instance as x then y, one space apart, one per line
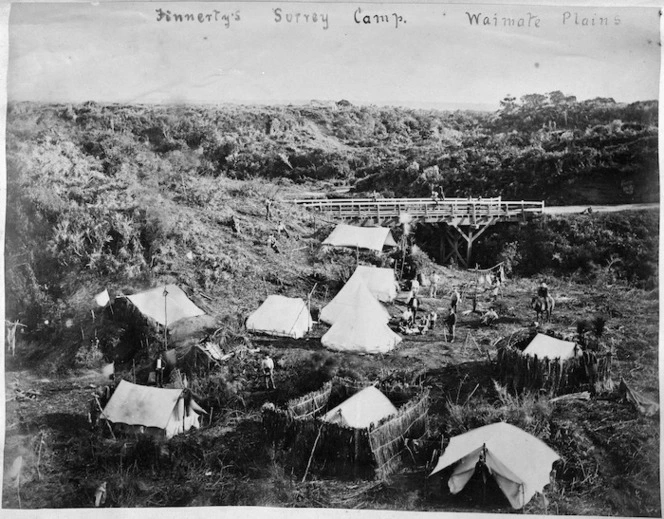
414 305
543 294
450 322
160 367
454 300
268 209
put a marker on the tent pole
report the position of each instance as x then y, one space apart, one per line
165 321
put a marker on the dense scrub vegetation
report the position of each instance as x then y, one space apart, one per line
625 245
541 147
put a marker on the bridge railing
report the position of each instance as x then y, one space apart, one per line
423 207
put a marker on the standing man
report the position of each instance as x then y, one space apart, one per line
433 318
415 285
268 209
414 305
160 366
451 321
543 294
435 281
267 367
455 299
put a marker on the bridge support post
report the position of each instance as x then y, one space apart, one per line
450 243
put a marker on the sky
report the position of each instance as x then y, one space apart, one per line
422 55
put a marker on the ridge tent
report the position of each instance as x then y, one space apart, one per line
362 330
362 409
545 346
372 238
151 410
380 282
519 462
353 295
281 316
165 310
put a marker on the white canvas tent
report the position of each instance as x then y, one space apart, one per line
545 346
353 295
151 410
281 316
165 310
360 330
519 462
360 410
381 282
372 238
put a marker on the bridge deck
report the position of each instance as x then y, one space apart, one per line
453 211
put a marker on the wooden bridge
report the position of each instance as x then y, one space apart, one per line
470 217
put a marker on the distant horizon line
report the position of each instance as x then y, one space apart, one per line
413 105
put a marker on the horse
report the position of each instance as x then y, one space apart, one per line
543 307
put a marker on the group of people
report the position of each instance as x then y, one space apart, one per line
409 324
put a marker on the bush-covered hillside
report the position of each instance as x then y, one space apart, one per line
549 147
118 196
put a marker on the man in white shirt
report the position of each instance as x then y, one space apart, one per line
267 367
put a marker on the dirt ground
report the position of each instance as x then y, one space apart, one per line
610 452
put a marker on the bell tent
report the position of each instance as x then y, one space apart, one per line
362 409
165 305
519 462
354 295
545 346
281 316
380 282
371 238
151 410
362 330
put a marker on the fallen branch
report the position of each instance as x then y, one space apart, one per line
584 395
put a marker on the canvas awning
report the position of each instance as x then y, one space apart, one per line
545 346
372 238
520 463
362 409
165 309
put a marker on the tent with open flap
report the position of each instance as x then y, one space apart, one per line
165 305
281 316
520 463
362 409
371 238
152 410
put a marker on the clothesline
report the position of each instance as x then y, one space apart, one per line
484 271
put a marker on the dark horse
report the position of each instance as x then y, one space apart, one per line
543 307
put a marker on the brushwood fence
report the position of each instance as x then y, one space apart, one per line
342 451
589 371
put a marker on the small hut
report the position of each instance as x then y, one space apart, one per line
315 432
530 360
